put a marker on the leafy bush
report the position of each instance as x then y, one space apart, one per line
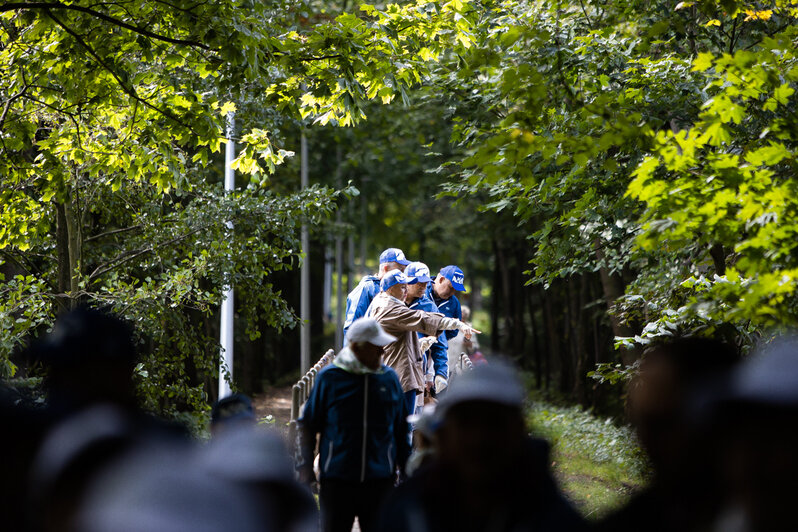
572 430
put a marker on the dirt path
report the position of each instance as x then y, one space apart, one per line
275 402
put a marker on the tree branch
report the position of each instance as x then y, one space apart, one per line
57 5
584 12
733 31
113 232
130 255
8 103
130 91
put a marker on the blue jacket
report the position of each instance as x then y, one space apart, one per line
448 307
359 300
438 350
362 418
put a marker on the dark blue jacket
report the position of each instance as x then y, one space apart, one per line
448 307
359 299
438 350
362 419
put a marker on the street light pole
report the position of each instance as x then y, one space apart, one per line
226 325
304 305
339 262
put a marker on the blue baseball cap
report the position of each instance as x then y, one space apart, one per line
392 278
394 255
417 272
455 275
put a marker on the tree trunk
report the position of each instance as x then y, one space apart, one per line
496 308
74 245
62 256
519 306
535 340
718 255
613 287
566 337
578 300
68 253
507 301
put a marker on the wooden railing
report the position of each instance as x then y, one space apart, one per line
301 391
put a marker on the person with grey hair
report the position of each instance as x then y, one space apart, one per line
357 407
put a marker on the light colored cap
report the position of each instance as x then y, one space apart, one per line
417 272
368 330
394 255
496 382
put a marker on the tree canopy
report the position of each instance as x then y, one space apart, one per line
113 116
650 141
631 162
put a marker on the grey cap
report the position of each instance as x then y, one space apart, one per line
161 488
496 382
368 330
769 376
75 440
249 454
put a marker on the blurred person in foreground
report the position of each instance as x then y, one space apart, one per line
359 299
685 491
92 418
487 474
231 412
759 418
405 355
256 459
23 429
90 357
165 488
357 407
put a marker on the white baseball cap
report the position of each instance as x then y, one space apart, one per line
368 330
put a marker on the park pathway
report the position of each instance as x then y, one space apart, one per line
275 401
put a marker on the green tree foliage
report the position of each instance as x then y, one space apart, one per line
651 142
111 123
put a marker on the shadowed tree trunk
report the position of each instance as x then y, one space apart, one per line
68 252
613 287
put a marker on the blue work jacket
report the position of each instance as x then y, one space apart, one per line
359 299
362 419
438 350
448 307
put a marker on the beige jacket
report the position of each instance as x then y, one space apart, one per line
404 355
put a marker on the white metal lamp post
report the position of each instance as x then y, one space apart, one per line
226 325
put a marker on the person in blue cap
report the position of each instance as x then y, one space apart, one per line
449 281
359 299
436 368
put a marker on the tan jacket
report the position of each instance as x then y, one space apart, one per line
404 355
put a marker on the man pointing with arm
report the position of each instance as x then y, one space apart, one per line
405 355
